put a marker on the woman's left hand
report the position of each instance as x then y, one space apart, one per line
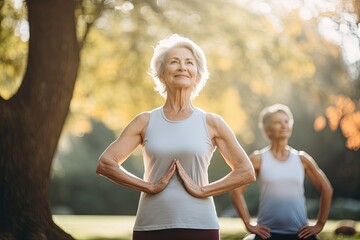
308 231
189 184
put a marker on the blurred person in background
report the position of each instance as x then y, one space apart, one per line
281 170
177 141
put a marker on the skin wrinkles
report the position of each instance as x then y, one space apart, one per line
178 83
180 77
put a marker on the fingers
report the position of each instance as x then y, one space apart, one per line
172 168
170 172
178 164
263 232
165 179
180 170
307 231
182 173
190 186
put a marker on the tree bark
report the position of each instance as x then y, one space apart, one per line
31 122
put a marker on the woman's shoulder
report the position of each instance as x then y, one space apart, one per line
140 120
259 152
213 119
304 157
301 154
145 116
256 157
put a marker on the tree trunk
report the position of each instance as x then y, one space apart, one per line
32 120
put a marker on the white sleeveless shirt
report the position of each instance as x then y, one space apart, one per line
188 141
282 201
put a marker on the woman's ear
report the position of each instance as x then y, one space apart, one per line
161 79
198 78
268 133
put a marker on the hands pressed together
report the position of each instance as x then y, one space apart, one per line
187 181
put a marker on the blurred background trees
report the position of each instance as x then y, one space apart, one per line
301 53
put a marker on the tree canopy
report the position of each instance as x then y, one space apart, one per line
258 53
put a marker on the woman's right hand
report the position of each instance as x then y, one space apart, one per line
262 231
164 181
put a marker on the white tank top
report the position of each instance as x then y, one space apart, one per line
189 142
282 201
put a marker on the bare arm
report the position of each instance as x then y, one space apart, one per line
239 202
109 163
242 171
321 182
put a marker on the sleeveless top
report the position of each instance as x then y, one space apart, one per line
188 141
282 201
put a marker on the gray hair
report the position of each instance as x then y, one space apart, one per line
266 113
157 63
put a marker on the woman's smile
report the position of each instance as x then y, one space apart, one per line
181 69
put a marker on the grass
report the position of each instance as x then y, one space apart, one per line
120 228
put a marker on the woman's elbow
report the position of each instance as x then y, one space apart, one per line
326 190
101 166
330 190
251 174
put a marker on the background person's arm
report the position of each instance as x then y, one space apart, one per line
239 202
321 182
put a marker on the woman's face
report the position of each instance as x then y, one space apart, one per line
279 126
180 69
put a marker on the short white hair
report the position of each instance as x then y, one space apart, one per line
161 51
266 113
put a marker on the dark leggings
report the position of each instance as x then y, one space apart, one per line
177 234
275 236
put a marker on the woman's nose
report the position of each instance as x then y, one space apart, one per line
182 66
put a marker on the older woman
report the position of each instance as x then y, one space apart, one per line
178 141
281 170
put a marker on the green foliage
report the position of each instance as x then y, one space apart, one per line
76 188
13 47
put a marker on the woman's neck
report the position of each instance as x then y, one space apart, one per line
178 107
178 100
280 150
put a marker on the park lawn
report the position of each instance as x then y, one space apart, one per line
90 227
